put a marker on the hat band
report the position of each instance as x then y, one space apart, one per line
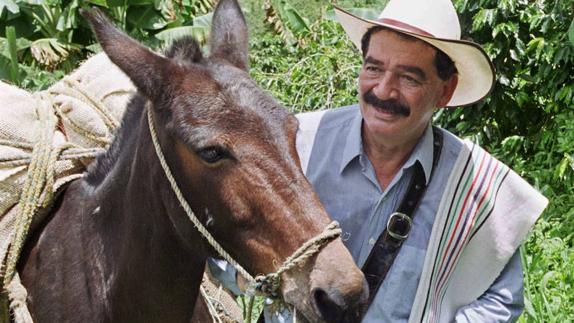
405 26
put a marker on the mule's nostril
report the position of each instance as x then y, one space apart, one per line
330 306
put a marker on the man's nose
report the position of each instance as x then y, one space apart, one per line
386 88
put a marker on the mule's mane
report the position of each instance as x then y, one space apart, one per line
125 136
185 49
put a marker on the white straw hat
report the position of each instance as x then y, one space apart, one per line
435 22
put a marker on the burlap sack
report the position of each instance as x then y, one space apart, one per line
83 111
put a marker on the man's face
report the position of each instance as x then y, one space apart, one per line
399 88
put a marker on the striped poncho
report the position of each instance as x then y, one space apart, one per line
484 215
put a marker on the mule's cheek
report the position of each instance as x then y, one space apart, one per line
189 162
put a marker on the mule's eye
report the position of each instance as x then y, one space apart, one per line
213 154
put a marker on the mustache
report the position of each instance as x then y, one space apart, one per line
390 105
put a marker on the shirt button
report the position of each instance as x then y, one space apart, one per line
372 241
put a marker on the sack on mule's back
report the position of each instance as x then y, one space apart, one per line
85 108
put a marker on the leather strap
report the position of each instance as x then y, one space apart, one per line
399 224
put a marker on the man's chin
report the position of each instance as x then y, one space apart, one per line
385 126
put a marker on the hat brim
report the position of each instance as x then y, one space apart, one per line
476 75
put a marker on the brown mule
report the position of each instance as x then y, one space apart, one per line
119 248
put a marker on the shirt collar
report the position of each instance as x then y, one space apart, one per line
422 153
353 143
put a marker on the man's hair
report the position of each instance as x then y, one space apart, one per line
444 65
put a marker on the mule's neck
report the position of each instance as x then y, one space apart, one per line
158 256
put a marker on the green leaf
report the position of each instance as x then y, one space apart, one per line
567 163
514 56
484 17
529 308
8 5
571 32
536 45
145 17
367 13
522 98
94 48
169 35
296 21
521 47
68 19
13 50
139 2
116 3
21 44
203 20
101 3
39 2
4 68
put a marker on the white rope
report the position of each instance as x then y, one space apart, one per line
210 307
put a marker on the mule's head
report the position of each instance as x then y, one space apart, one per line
232 150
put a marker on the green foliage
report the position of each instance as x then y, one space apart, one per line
527 122
51 35
311 76
285 20
307 62
11 46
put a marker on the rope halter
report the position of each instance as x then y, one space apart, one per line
267 285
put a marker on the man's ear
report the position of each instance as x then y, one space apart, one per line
447 91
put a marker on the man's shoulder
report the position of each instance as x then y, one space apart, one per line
329 127
452 144
328 119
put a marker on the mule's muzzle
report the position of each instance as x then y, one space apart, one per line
334 308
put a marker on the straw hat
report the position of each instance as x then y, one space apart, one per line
434 22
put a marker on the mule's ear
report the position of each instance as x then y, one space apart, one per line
144 67
228 38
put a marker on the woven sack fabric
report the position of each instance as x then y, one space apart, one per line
87 105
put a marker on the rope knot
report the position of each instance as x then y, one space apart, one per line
267 285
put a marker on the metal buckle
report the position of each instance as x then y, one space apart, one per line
392 221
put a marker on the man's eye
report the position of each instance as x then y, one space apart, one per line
372 69
213 154
411 80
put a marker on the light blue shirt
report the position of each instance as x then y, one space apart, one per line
346 184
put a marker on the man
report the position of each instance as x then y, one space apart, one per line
451 255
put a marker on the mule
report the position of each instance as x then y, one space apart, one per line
119 248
